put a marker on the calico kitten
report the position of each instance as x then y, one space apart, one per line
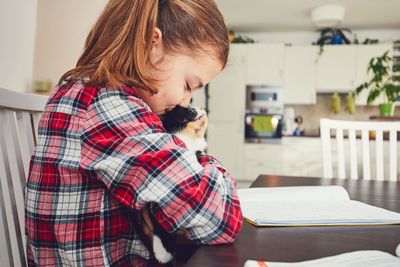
186 124
181 121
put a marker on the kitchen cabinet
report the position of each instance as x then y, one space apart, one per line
336 68
364 55
225 142
228 89
339 68
265 64
291 156
301 156
300 66
225 133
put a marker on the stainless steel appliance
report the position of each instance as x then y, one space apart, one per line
260 126
264 113
264 99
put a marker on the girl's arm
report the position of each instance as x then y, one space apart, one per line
124 143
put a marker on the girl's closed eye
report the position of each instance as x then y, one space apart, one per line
187 87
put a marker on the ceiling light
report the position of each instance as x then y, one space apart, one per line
327 16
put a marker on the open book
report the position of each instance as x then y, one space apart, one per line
370 258
309 206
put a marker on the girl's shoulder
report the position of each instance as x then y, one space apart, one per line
82 94
126 94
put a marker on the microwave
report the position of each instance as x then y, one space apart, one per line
263 126
265 99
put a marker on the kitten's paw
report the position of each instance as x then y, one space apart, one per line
161 254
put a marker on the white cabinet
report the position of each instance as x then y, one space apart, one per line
341 68
248 64
225 133
228 89
300 75
225 142
336 68
364 55
265 64
292 156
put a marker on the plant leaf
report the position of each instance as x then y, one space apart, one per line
373 95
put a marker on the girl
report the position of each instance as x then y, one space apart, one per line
103 155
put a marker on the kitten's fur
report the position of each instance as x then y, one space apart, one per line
182 122
186 124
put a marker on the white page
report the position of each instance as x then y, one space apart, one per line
320 193
362 258
316 212
309 205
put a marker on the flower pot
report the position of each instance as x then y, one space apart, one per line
42 86
387 109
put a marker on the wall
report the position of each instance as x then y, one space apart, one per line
308 37
17 31
311 114
62 27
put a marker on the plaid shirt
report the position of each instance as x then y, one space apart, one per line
101 156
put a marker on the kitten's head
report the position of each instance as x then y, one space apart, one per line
177 118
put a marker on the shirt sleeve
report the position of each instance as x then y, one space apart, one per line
124 143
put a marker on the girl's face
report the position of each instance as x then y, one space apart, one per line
179 75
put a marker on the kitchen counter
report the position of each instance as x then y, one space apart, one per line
345 136
296 156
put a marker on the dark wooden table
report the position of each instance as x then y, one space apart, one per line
304 243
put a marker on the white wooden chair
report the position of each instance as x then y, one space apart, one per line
19 116
354 128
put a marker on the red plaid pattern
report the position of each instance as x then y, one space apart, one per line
101 156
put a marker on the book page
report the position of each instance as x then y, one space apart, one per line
309 205
362 258
279 213
320 193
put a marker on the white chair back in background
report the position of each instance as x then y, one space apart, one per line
354 128
19 117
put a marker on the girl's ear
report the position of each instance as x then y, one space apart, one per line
157 47
157 36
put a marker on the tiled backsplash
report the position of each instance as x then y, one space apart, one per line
323 109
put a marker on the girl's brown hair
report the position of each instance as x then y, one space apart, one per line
117 49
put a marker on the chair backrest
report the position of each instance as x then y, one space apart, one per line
19 117
364 129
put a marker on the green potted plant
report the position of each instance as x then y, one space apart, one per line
332 36
381 82
42 86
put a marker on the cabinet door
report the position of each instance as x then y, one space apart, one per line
292 156
227 90
364 54
336 68
253 169
300 75
265 64
225 142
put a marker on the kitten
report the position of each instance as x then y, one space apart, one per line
185 123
